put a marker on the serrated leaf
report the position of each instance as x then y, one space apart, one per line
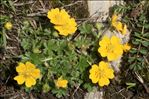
85 28
82 64
88 86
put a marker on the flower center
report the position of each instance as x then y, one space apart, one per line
100 73
110 48
26 74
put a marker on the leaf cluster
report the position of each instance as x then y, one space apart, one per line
69 57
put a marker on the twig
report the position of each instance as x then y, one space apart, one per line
14 97
146 60
140 79
22 4
118 92
142 38
71 4
75 90
37 14
43 11
42 4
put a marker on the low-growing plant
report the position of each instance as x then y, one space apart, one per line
61 59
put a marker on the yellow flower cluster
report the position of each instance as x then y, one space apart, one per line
61 83
27 73
118 25
8 25
110 48
62 21
101 73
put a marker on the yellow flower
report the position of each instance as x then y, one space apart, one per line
101 73
27 73
8 25
58 17
62 21
61 82
126 47
68 28
118 25
110 48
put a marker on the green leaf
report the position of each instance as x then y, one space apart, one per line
133 51
131 59
146 35
46 87
130 85
25 43
82 64
135 42
146 26
36 58
137 34
143 51
145 43
86 28
88 86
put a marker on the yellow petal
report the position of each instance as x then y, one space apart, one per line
103 81
30 81
61 82
94 73
115 40
35 73
109 73
126 47
64 14
20 79
94 77
61 30
94 68
105 41
72 22
52 13
114 17
103 51
118 50
8 25
103 65
64 83
21 68
112 57
30 66
118 26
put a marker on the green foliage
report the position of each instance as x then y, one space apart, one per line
130 85
59 56
3 20
139 22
